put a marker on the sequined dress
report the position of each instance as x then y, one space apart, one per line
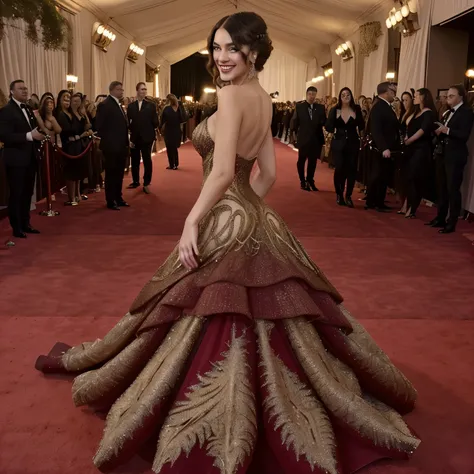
248 364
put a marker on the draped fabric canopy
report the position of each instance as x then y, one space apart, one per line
301 30
175 29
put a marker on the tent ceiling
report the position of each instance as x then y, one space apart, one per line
174 29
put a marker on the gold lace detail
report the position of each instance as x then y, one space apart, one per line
220 411
302 418
340 399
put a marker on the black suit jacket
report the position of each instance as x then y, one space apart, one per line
384 127
18 151
112 127
309 131
460 126
143 122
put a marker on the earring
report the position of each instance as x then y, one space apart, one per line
252 71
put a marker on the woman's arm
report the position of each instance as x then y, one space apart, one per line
225 151
41 124
55 125
266 174
331 121
221 175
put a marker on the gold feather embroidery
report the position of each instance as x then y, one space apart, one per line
219 410
302 418
339 399
365 350
153 385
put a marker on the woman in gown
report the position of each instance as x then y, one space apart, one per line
238 357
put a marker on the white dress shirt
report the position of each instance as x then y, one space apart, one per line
25 113
140 102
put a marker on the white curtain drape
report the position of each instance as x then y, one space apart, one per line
104 71
41 70
133 74
164 80
286 74
445 9
468 182
375 66
414 50
76 65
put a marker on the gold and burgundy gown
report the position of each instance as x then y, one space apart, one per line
248 364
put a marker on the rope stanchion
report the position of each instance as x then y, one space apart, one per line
75 157
49 212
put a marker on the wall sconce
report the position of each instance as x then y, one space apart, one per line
390 76
404 19
317 79
189 98
209 90
134 52
344 50
71 81
204 51
102 37
470 73
328 72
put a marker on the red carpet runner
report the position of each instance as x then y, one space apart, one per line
411 288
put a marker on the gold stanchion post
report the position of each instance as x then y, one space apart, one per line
49 212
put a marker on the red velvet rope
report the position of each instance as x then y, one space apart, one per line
71 156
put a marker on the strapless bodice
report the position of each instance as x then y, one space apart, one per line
204 145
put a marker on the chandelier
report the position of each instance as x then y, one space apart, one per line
405 18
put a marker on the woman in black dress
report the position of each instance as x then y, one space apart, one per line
171 130
419 142
346 121
401 179
74 127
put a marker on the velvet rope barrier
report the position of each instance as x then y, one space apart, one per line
71 157
45 150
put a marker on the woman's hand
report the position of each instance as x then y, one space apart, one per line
188 249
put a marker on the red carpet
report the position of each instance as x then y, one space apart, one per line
411 288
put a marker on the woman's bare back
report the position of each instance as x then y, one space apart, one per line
256 111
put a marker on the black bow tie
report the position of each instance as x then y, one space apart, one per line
23 106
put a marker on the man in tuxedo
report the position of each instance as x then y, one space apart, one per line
384 129
112 128
307 126
18 131
451 155
143 119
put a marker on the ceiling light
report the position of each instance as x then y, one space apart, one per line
100 29
345 47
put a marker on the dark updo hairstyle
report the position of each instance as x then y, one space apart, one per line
245 29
